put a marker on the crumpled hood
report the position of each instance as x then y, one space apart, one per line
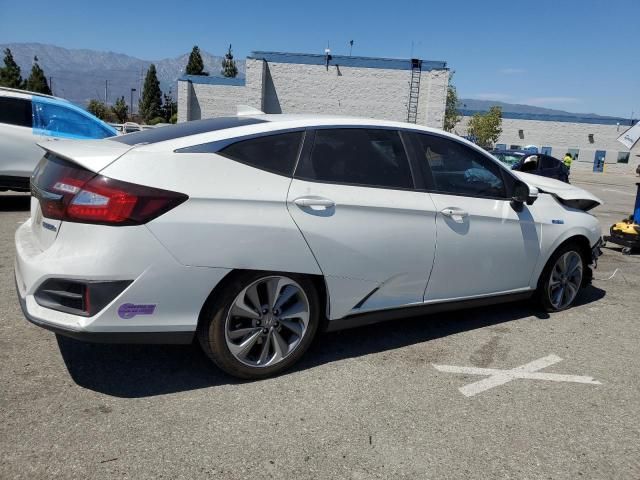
566 193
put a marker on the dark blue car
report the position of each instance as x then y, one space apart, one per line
536 163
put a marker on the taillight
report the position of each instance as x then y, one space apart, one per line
70 193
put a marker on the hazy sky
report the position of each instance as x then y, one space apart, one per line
576 55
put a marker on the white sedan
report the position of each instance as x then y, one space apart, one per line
252 233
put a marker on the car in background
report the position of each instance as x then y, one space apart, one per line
534 163
252 233
27 118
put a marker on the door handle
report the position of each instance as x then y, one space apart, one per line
318 203
456 214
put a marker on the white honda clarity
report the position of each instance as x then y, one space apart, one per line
253 233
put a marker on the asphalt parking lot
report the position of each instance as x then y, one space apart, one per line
395 400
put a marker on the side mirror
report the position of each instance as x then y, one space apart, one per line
522 193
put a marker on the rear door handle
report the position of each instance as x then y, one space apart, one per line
456 214
316 203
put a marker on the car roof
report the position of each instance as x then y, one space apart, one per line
198 131
17 93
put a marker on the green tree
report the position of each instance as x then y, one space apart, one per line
98 108
485 128
451 114
151 98
169 107
37 82
229 68
10 74
121 110
195 65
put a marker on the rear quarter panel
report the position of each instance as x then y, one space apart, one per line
236 216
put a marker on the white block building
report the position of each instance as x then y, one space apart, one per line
587 138
394 89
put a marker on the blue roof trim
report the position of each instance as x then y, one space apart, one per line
345 61
556 118
202 79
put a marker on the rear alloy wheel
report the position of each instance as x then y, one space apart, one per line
261 324
562 279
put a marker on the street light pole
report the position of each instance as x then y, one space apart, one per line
131 103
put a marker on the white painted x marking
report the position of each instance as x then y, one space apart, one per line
500 377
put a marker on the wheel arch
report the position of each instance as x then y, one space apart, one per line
579 239
317 280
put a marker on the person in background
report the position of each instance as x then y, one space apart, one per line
567 160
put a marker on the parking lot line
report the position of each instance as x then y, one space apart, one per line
499 377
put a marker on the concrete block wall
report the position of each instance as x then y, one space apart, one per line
433 97
561 136
366 92
289 87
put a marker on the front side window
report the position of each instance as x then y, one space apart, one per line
457 169
358 156
15 111
275 153
61 121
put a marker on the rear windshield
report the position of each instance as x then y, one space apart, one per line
185 129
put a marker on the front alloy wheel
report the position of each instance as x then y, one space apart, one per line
562 279
565 281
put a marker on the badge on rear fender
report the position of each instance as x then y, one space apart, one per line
130 310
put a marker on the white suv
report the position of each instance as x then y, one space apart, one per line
27 118
252 233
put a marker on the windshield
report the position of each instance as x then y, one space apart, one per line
509 159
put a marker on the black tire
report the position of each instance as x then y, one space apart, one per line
211 327
543 295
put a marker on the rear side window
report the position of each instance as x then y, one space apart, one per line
16 111
61 121
358 156
275 153
457 169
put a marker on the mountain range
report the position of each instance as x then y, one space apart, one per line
79 75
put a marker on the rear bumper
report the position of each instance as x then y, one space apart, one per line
107 337
162 303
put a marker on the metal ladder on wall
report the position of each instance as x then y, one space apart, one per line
414 90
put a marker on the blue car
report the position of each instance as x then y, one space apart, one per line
535 163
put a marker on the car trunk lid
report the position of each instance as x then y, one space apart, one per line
92 155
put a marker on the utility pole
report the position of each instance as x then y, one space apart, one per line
106 89
51 86
350 47
132 90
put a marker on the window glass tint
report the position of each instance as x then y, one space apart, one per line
549 162
458 169
15 111
62 121
369 157
276 153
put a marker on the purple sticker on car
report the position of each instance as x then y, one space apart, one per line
130 310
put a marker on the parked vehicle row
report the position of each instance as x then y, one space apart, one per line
27 118
253 233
